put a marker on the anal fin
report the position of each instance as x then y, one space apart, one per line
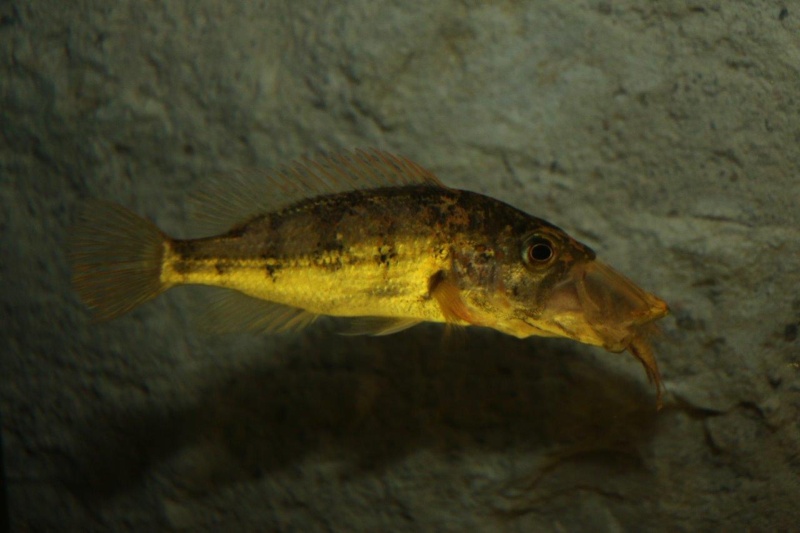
231 311
375 325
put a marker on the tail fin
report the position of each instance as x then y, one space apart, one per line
116 259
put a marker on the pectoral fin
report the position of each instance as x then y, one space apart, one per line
448 296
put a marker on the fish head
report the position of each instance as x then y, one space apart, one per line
557 287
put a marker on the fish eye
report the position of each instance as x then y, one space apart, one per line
538 251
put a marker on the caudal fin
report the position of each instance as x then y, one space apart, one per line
116 259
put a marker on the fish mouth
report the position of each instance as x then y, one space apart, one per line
597 305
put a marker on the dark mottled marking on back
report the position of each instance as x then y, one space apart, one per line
330 262
329 243
187 248
184 267
237 231
385 254
272 271
325 228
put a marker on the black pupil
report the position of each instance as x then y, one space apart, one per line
541 252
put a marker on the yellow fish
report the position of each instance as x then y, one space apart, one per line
377 239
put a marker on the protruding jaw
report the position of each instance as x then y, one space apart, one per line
597 305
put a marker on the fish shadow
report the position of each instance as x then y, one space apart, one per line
368 402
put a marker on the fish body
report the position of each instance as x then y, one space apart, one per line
377 240
372 253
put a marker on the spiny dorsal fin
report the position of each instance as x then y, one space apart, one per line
234 198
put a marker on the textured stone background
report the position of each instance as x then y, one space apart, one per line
664 134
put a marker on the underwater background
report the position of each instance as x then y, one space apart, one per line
665 135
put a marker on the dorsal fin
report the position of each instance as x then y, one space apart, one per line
231 199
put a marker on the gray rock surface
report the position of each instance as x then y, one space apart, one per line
664 134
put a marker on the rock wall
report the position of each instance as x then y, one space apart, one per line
666 135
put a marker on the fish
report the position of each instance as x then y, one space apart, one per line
375 240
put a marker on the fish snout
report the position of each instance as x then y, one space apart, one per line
610 297
596 304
